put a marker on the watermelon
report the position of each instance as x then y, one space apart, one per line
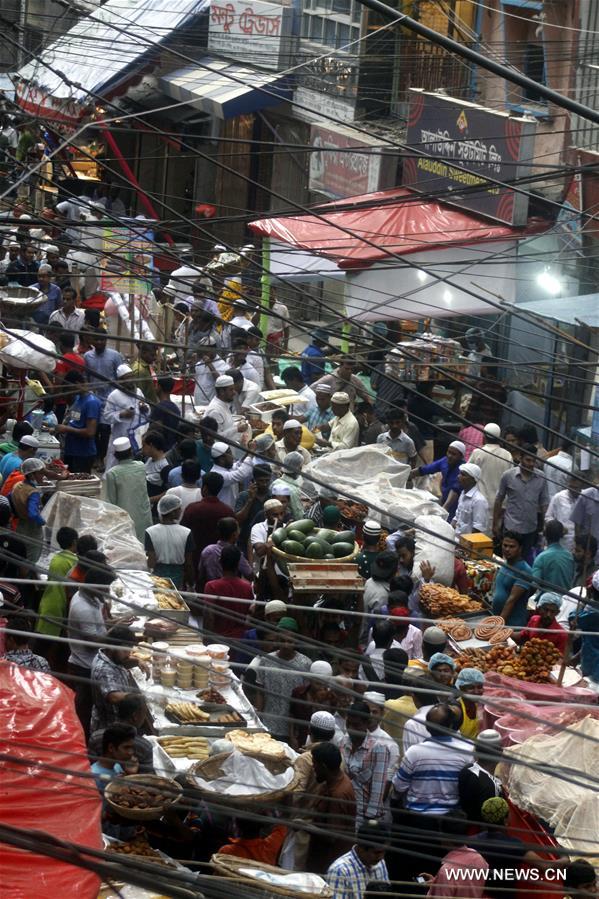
292 548
294 534
315 550
306 525
326 534
344 537
279 535
342 549
329 556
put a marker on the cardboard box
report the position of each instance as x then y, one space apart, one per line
477 545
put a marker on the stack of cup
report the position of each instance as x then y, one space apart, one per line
184 671
198 656
168 675
159 659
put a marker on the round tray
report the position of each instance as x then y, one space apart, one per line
209 769
151 781
279 554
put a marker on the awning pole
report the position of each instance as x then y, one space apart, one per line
127 171
265 294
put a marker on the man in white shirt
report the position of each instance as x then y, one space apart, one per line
472 512
246 392
14 251
233 473
238 359
219 408
68 317
181 281
290 442
292 378
557 469
208 368
560 509
493 460
125 411
242 312
345 429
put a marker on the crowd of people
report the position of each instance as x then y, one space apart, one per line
398 782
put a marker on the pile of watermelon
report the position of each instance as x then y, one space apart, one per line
303 538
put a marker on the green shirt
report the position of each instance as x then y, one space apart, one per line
554 569
54 599
8 447
126 488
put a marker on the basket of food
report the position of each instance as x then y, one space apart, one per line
142 797
439 601
248 778
301 540
274 881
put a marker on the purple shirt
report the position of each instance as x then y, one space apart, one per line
210 569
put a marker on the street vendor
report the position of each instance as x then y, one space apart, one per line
442 668
513 582
470 681
449 468
548 606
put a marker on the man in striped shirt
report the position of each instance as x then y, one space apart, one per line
428 774
349 875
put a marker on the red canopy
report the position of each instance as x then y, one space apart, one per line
386 220
41 737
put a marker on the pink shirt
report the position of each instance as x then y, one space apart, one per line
460 885
472 437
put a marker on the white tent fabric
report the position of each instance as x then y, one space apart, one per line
290 264
102 45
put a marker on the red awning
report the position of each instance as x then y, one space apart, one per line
386 220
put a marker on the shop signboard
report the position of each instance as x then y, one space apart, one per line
252 31
126 260
453 148
336 170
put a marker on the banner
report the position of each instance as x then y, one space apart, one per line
126 264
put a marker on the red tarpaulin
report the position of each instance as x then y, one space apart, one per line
392 224
38 725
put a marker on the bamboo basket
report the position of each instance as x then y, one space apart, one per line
230 866
151 781
210 769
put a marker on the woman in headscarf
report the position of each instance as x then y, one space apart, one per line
169 545
470 681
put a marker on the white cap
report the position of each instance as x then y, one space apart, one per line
25 217
458 445
29 440
372 527
52 248
121 444
374 697
323 388
323 720
291 423
492 430
224 381
341 398
218 449
271 504
471 469
322 669
280 490
123 369
275 605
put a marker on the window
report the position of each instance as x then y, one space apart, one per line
342 6
525 49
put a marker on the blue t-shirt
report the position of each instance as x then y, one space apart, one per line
449 480
588 620
84 409
103 775
505 580
313 364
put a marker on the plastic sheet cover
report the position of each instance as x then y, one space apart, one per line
111 525
38 725
359 467
567 800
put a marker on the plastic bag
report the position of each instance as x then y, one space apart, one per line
400 505
299 881
243 775
111 525
435 543
34 351
38 726
348 469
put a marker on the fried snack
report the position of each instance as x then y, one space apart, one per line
212 695
489 626
138 797
262 743
455 628
169 601
161 582
533 663
440 601
501 636
187 712
185 747
141 848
